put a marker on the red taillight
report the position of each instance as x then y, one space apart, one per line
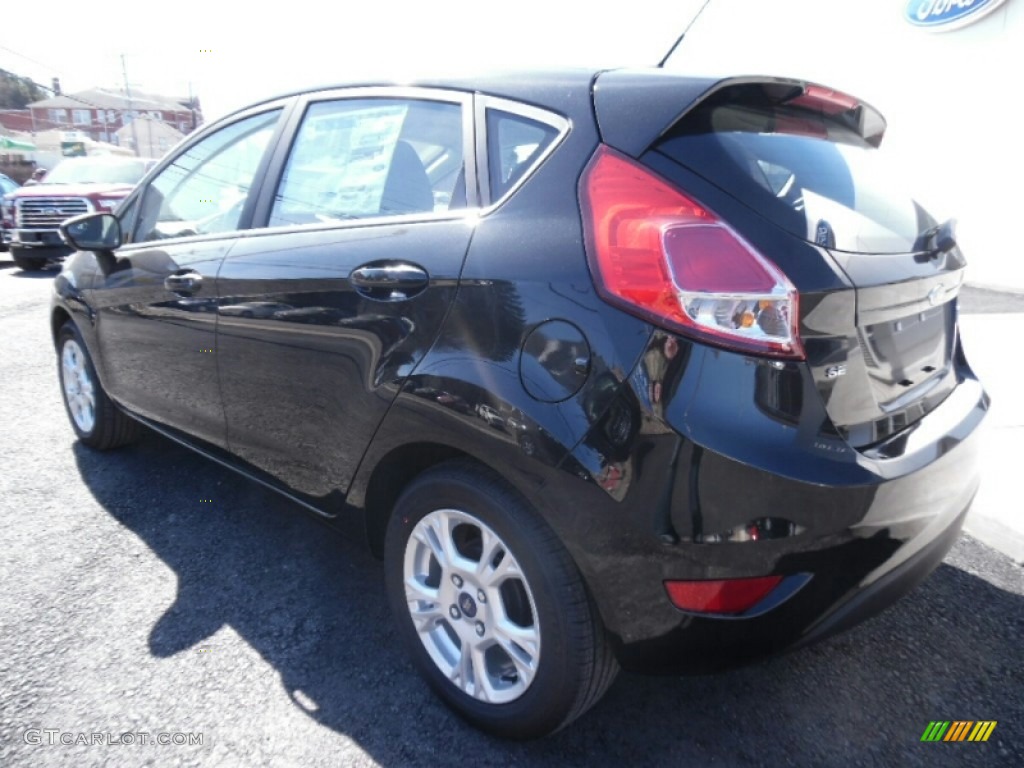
658 253
724 596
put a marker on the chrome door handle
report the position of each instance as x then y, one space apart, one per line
184 282
389 281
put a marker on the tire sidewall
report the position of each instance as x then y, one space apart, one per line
24 261
553 691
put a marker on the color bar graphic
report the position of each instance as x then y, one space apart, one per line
935 730
959 730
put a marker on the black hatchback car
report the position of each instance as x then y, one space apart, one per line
618 368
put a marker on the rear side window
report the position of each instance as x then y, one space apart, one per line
514 145
805 160
363 158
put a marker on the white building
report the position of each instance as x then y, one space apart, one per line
951 98
155 137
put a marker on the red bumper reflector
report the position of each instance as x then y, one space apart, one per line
725 596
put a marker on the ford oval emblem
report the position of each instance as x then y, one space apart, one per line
935 294
945 15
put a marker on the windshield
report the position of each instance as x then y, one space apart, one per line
97 171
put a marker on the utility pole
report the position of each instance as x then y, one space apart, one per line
131 108
191 105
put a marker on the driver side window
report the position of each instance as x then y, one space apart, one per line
204 190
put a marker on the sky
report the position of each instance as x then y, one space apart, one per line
944 94
231 58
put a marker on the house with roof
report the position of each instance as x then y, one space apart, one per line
101 113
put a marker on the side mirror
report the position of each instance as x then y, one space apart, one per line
92 232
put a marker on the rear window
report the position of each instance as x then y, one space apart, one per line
805 159
515 143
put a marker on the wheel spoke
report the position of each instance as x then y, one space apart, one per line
462 671
506 569
525 666
482 687
424 604
490 547
445 525
428 538
521 652
508 634
415 589
426 616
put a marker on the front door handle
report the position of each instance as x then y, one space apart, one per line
186 281
389 281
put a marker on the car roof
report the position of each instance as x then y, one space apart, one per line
545 87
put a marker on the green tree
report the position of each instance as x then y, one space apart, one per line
17 92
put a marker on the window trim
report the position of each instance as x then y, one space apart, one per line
549 118
277 165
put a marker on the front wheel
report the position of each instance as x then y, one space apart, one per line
97 421
491 606
25 262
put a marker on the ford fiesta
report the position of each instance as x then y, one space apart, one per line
616 368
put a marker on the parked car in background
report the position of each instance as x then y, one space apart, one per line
31 215
619 368
7 184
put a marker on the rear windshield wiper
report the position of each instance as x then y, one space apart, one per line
938 239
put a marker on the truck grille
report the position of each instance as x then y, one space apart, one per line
48 212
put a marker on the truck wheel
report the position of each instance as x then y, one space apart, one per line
25 262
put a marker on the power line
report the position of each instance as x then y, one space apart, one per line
28 58
144 97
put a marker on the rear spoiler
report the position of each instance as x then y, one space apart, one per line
635 107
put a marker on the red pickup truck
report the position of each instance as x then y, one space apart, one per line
31 214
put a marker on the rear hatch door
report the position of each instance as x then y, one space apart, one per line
806 159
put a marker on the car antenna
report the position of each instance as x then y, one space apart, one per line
661 64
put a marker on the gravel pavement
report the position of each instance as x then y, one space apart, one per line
149 591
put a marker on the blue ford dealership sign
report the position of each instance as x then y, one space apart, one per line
943 15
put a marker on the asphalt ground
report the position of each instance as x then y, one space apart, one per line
149 591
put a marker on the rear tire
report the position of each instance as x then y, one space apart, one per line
491 606
97 421
25 262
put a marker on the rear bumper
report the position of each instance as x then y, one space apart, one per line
858 531
831 602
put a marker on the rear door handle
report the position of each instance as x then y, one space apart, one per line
186 281
389 281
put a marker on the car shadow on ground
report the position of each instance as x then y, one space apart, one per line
48 272
313 606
